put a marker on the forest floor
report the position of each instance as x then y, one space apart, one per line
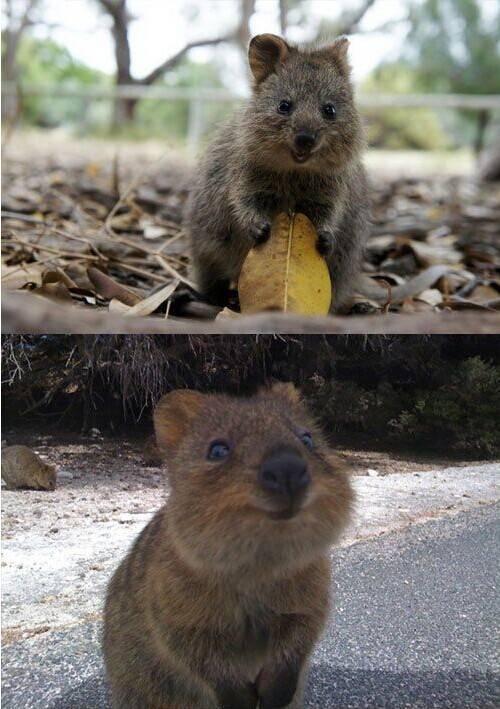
72 205
59 548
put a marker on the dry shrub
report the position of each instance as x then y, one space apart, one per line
388 388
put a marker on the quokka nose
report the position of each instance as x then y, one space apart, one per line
284 473
305 140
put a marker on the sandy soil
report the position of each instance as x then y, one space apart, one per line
60 548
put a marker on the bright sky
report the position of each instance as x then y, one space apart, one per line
163 26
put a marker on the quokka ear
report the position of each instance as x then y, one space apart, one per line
265 53
288 391
337 52
173 415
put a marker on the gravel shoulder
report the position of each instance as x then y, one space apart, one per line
60 548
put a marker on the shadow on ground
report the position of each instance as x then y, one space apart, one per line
333 688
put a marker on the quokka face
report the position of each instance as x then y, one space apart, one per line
302 111
47 477
253 483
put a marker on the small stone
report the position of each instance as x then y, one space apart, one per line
65 474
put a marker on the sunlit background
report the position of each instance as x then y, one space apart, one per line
427 72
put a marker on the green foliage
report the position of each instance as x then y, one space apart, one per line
44 62
348 405
398 128
454 47
439 392
171 117
458 411
465 412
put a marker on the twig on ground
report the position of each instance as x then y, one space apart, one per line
161 260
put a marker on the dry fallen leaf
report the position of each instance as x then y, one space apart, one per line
14 277
151 230
227 313
431 296
286 272
110 289
149 304
483 294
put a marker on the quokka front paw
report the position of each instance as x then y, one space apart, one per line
260 232
324 243
276 686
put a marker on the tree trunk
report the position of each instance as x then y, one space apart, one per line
247 9
124 112
283 16
11 38
9 74
483 119
123 109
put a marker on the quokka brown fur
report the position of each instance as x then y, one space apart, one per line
22 468
296 145
222 597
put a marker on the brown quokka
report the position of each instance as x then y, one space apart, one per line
221 599
22 468
296 145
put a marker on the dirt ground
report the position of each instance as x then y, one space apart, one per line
73 210
119 481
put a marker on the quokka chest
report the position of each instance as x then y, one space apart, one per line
250 642
283 192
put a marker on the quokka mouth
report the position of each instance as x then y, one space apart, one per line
289 512
301 158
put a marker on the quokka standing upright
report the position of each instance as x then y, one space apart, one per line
222 597
296 145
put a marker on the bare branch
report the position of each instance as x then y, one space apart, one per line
283 16
176 58
243 31
115 8
349 23
25 19
242 34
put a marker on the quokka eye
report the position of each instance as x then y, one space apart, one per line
218 450
284 107
307 440
328 111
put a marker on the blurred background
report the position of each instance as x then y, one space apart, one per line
427 72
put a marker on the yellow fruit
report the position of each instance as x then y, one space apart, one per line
286 272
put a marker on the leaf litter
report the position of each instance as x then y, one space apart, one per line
109 236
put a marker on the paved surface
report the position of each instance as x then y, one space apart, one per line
414 626
51 581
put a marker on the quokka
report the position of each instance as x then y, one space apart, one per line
296 145
224 594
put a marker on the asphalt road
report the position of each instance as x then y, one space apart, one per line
414 627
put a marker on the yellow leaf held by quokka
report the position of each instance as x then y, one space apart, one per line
286 272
